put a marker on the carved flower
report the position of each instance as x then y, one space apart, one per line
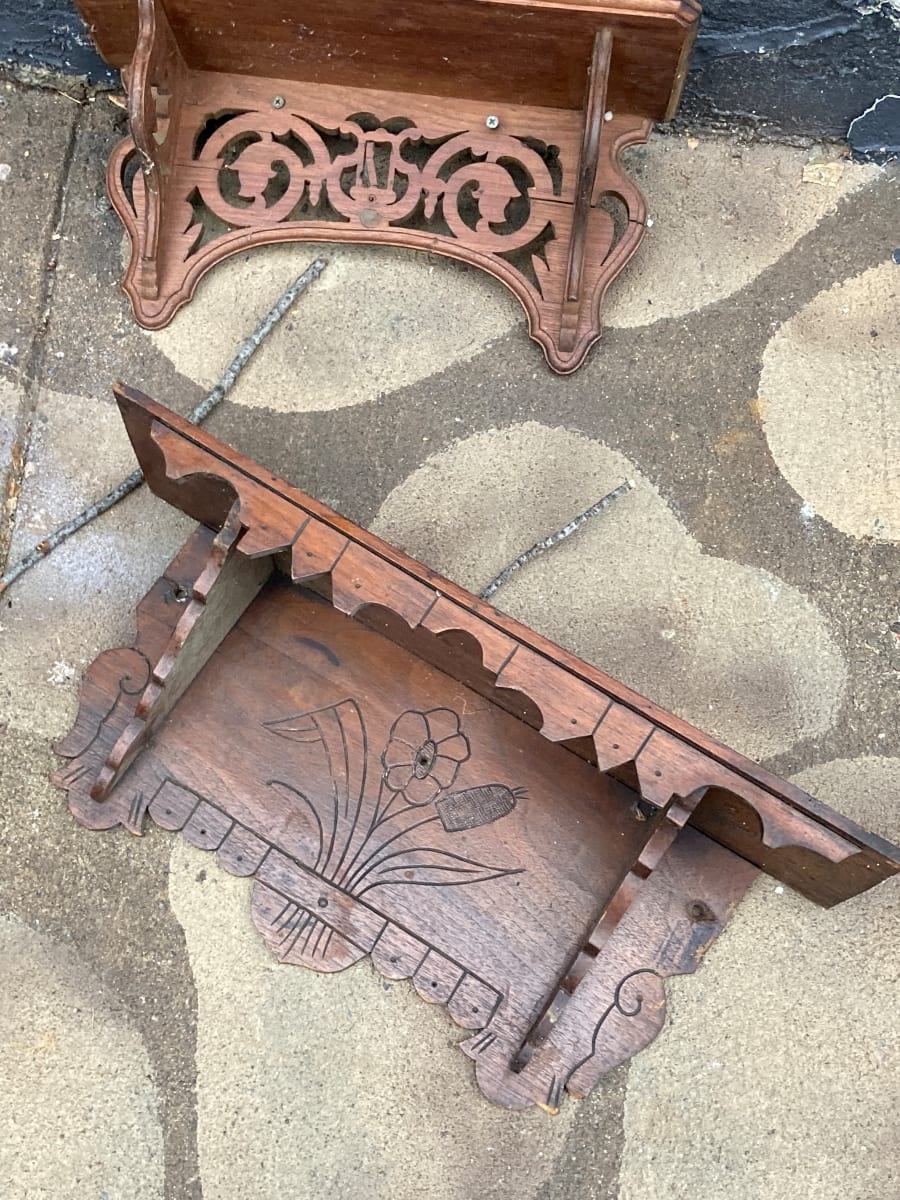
423 755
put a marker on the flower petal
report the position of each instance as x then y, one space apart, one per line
442 723
420 792
397 778
398 753
410 727
444 771
456 747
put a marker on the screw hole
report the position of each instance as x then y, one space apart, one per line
434 983
393 958
657 774
615 745
322 902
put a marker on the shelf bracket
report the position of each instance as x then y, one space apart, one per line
480 142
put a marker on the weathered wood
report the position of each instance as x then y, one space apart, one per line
538 48
408 774
384 808
228 583
777 825
455 128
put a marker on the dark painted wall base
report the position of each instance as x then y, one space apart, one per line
780 66
794 66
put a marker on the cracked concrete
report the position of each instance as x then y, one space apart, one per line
742 581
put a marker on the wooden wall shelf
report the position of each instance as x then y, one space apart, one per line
487 130
408 774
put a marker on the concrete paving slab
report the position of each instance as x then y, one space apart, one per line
377 320
722 213
78 1109
829 401
35 133
100 904
10 399
81 599
35 128
91 337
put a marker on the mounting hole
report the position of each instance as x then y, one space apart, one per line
474 1008
615 745
658 774
203 833
180 593
393 958
434 983
240 858
322 902
698 911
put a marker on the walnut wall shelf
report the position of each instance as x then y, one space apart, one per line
408 774
486 130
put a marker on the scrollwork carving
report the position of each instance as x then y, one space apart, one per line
259 168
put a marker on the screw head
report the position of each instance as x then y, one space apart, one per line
608 116
492 122
278 101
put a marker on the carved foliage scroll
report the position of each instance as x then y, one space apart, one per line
214 164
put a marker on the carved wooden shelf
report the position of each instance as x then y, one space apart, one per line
409 774
486 130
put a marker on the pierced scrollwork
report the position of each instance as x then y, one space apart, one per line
211 169
262 169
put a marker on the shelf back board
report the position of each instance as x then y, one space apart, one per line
533 53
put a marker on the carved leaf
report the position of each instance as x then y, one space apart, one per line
429 865
307 836
299 728
340 729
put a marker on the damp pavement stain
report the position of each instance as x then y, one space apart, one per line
830 403
78 1106
732 648
335 1085
776 1073
713 231
376 320
81 598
